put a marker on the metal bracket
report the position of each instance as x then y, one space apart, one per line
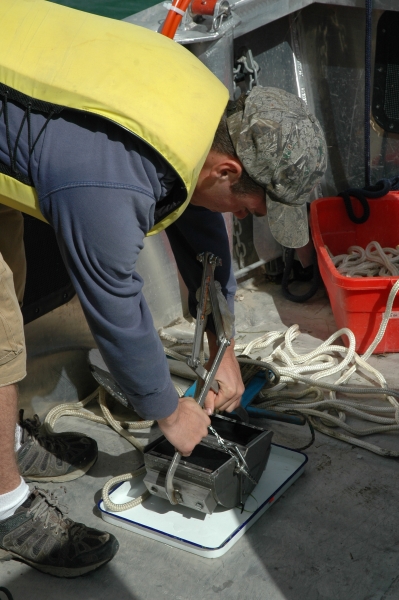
222 12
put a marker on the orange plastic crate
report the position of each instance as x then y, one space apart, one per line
358 302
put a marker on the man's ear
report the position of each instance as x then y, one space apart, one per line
227 169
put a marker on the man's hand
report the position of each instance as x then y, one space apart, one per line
228 376
186 427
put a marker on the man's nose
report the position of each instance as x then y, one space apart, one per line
241 214
261 209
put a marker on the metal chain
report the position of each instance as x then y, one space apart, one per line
235 452
239 246
247 70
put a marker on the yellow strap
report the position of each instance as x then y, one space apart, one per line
19 196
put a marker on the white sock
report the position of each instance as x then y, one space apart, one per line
18 437
12 500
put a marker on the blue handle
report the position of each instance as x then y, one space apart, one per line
251 391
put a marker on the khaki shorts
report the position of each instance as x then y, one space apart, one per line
12 339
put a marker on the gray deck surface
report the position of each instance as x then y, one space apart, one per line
334 534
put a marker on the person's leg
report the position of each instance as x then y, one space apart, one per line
9 473
13 490
12 246
41 457
33 527
12 342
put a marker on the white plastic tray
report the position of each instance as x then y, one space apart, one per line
213 535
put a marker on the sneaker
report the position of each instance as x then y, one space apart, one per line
54 457
39 535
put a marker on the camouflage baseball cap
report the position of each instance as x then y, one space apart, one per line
282 148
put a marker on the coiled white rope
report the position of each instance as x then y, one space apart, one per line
124 428
373 261
327 360
322 420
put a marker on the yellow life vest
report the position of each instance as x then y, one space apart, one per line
139 79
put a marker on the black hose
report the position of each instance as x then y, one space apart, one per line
289 261
380 189
272 373
6 592
311 428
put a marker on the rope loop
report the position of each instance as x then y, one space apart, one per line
123 428
359 195
378 190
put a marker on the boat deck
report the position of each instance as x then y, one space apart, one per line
331 536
